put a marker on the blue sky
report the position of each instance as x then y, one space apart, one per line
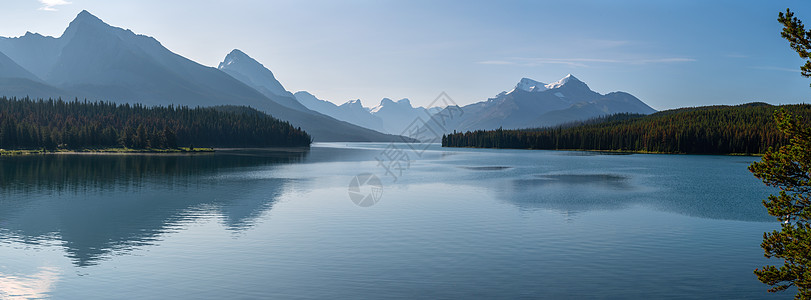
668 53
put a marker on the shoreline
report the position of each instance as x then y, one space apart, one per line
106 151
618 152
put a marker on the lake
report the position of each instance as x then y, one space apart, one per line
438 223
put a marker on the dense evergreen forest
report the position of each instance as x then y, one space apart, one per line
744 129
57 124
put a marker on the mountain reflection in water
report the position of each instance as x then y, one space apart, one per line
97 204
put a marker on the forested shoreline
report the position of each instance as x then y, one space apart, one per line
742 129
73 125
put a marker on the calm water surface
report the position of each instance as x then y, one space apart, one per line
457 223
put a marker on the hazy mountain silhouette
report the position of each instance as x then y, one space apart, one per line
397 115
389 116
16 81
249 71
97 61
351 111
10 69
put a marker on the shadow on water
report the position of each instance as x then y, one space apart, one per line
613 181
573 182
571 194
486 168
590 153
96 205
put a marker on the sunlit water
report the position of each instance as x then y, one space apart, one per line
457 223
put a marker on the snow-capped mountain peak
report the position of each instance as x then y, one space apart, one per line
384 102
529 85
353 103
562 81
232 57
246 69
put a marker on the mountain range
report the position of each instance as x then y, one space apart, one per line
389 116
96 61
532 104
529 104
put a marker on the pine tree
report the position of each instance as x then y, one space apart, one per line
800 39
169 136
789 169
141 137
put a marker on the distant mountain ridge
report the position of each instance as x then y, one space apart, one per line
17 81
532 104
351 111
10 69
529 104
389 116
397 115
100 62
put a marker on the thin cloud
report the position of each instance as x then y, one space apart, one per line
495 62
665 60
777 69
50 5
529 63
582 62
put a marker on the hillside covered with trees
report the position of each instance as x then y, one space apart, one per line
57 124
742 129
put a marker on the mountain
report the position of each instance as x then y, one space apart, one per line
97 61
10 69
313 103
535 104
389 116
249 71
16 81
23 87
252 73
351 111
611 103
34 52
397 115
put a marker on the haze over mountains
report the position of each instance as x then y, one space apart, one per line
389 116
351 111
532 104
96 61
